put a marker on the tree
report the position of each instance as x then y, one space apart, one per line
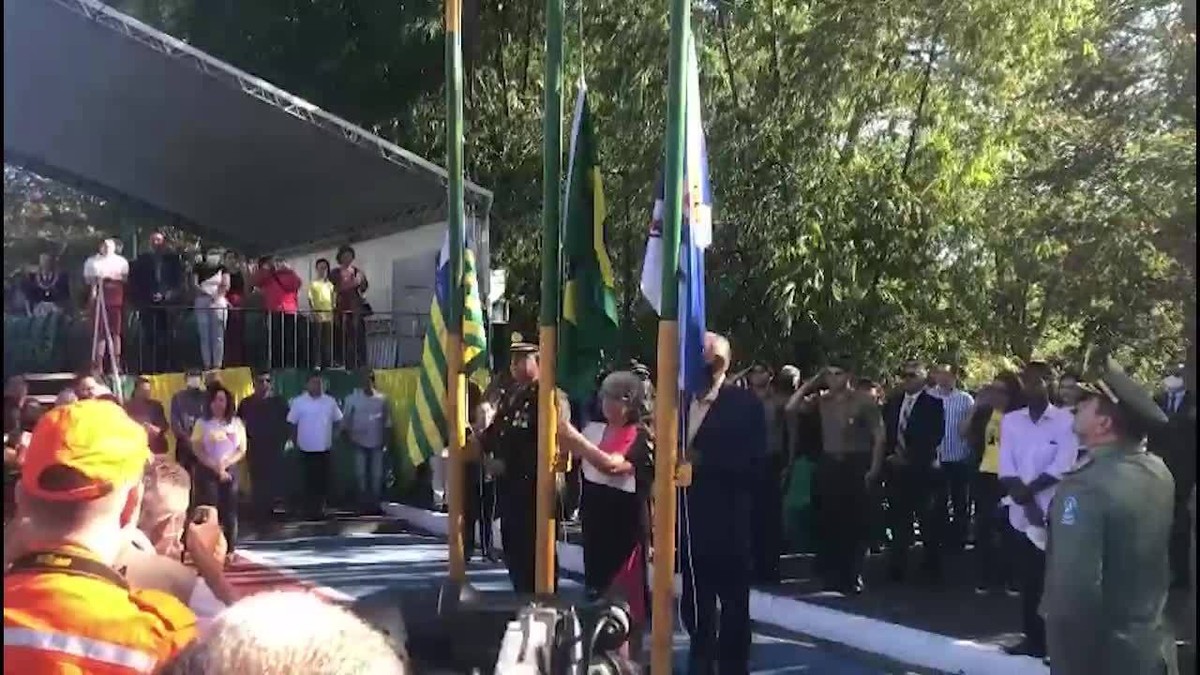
967 180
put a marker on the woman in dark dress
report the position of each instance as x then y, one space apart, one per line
349 287
614 508
235 326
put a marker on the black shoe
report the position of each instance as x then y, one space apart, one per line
1026 648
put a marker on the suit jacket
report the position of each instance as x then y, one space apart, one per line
143 284
730 450
1175 441
925 429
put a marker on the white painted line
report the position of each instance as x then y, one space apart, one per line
326 592
893 641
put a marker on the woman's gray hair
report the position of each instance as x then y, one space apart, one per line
627 387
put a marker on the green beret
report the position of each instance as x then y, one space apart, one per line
1117 386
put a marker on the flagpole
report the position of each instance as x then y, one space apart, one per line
666 420
544 563
455 386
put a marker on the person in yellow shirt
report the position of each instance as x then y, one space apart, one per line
981 429
320 299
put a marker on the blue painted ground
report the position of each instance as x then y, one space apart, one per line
359 565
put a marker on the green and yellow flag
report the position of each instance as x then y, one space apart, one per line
588 327
427 422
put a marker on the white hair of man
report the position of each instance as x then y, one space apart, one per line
261 634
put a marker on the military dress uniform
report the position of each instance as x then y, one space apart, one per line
512 439
1107 571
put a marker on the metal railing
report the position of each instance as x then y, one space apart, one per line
175 338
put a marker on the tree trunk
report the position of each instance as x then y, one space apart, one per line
920 116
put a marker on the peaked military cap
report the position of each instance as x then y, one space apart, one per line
520 346
1117 386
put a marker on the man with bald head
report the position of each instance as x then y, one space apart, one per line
725 443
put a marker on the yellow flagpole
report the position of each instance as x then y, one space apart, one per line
544 562
666 421
455 384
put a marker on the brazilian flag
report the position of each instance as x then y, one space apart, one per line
588 329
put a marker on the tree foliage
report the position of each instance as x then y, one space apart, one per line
950 179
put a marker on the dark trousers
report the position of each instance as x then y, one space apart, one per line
212 491
283 339
953 502
154 344
322 343
263 465
843 508
518 532
350 342
720 641
1181 541
768 522
994 541
315 468
912 495
481 512
1032 567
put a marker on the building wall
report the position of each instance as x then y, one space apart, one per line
399 268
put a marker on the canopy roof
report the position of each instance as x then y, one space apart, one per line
99 99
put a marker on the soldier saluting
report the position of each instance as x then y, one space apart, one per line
1107 573
510 450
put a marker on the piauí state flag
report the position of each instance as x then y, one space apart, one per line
427 422
588 329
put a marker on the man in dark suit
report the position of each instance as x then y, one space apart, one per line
1175 442
914 424
156 283
726 447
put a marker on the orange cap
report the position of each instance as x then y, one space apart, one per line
96 440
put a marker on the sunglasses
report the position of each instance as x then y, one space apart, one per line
912 376
835 372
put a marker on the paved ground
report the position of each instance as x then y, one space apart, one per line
951 608
360 556
360 563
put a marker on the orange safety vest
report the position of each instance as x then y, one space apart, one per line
66 613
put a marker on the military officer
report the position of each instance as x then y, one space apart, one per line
509 446
1107 573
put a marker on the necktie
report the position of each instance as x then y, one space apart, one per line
905 411
1176 398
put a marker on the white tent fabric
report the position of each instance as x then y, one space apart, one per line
97 98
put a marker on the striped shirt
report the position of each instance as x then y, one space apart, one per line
957 405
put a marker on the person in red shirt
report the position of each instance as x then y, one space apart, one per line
280 288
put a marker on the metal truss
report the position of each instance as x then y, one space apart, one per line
264 91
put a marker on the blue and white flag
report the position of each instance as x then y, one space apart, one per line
695 237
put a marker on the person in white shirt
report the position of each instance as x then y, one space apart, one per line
313 415
212 310
105 275
1037 446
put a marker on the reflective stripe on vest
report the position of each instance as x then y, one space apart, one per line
86 648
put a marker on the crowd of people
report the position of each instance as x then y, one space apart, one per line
109 570
919 460
214 435
919 464
219 290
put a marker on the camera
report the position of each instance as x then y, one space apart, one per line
571 640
